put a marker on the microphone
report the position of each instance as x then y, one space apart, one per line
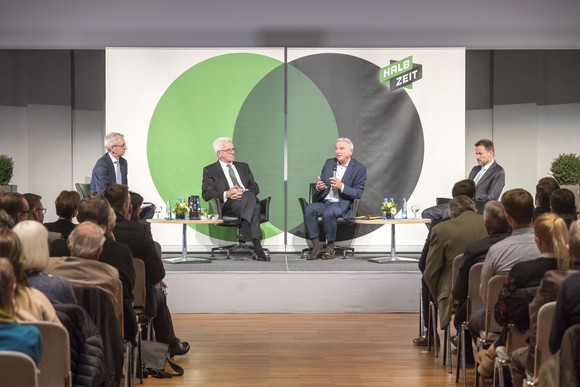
334 171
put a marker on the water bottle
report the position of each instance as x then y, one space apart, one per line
168 212
404 210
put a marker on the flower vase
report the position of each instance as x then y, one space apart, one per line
384 215
179 216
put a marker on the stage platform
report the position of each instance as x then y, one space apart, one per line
288 284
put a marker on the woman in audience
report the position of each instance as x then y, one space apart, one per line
30 303
13 336
522 283
34 239
67 207
522 359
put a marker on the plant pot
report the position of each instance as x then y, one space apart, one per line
387 215
179 216
9 188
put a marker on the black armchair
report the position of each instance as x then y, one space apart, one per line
234 221
340 221
83 189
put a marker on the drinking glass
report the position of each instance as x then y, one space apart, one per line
415 208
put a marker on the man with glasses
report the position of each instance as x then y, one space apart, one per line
112 167
37 212
232 183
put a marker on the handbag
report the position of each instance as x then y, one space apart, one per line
154 356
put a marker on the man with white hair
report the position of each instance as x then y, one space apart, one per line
233 185
111 168
341 181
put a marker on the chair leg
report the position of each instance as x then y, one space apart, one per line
463 344
449 356
421 314
445 339
434 325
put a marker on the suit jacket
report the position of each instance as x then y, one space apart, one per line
215 183
489 186
448 239
104 173
567 311
354 180
137 236
62 226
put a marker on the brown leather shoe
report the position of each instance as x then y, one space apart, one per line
328 253
422 341
314 254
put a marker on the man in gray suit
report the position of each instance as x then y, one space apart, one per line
488 175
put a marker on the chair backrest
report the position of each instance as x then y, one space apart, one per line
493 289
139 289
54 365
474 300
312 193
457 262
83 189
119 305
17 369
544 326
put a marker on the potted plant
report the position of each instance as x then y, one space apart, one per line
566 169
389 209
180 209
6 173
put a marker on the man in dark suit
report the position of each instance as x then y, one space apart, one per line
112 167
232 183
137 236
488 175
341 181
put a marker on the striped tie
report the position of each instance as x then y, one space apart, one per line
233 175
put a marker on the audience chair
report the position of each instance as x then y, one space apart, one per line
492 328
234 221
340 221
474 303
447 356
139 294
513 342
542 350
17 369
83 189
54 364
432 328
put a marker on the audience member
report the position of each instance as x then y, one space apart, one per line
96 208
33 237
567 311
67 207
82 268
13 336
563 204
544 189
518 247
463 187
497 229
488 175
30 303
15 205
523 358
5 219
137 236
448 239
37 212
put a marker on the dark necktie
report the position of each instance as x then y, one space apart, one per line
233 175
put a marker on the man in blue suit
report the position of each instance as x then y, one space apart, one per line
112 167
341 181
488 175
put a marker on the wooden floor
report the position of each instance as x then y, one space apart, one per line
305 350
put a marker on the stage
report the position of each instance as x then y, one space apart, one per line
288 284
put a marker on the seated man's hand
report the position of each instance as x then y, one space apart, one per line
235 193
320 185
335 182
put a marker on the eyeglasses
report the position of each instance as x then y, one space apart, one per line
122 145
43 210
228 150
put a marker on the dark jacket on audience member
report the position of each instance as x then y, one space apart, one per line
567 310
87 359
65 227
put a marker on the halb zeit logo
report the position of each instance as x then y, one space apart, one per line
402 73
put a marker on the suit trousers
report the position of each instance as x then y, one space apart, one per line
248 209
162 323
329 212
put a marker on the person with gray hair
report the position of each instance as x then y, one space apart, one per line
232 184
497 229
83 268
449 239
341 181
111 168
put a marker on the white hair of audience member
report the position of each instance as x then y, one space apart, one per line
86 240
34 240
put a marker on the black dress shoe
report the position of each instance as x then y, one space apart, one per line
241 238
260 255
178 347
